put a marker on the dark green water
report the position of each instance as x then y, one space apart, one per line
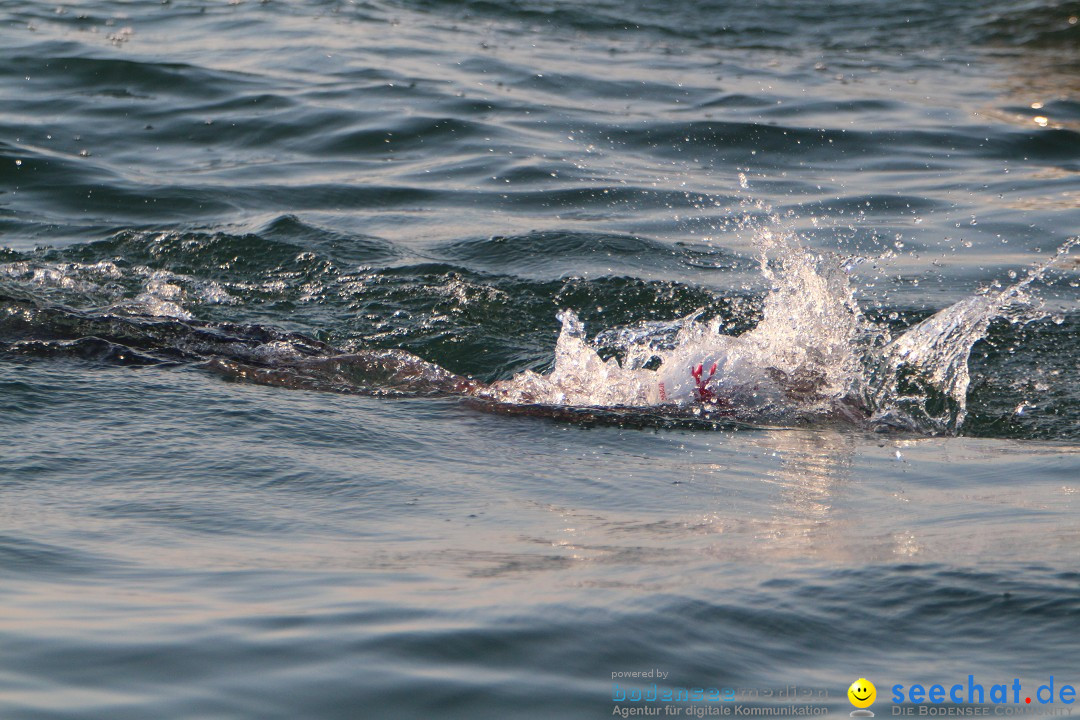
197 195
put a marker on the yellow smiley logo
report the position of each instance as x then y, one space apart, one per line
862 693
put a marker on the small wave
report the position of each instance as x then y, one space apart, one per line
1035 25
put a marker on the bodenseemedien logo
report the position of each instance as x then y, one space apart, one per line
862 694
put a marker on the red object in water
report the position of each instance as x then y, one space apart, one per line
703 392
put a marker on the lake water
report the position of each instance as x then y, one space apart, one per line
288 428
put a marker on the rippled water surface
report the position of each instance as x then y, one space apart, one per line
289 426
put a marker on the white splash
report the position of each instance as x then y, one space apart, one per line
812 355
922 378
